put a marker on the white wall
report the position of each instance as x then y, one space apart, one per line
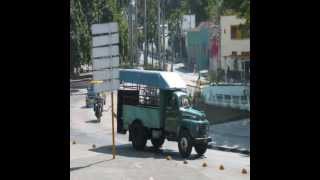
228 45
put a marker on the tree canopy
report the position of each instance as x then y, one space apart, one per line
84 13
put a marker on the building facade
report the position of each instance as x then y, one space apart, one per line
231 52
198 46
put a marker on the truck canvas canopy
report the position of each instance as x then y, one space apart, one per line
158 79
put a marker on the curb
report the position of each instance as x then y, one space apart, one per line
228 149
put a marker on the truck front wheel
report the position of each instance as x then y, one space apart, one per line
139 138
157 142
185 144
201 148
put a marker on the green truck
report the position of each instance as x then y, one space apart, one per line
154 105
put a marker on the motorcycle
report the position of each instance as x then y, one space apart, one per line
98 108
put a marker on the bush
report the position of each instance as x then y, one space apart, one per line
154 67
221 75
212 77
126 66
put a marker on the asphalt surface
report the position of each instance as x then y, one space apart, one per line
96 163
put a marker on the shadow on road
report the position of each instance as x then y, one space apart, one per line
93 121
81 167
74 90
77 168
128 151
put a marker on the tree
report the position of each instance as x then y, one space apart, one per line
239 7
83 14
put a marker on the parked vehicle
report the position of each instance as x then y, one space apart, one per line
154 105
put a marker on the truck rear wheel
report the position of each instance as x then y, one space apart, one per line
157 142
185 144
139 138
201 148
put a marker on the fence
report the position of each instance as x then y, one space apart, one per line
232 96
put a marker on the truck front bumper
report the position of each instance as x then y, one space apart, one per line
201 140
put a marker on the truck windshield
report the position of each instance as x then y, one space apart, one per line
184 102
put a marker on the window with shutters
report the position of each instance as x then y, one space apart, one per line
239 32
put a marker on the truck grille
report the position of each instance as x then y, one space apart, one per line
203 130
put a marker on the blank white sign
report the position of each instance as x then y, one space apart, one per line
104 28
109 85
106 74
105 51
105 67
105 40
105 63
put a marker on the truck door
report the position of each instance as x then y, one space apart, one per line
171 118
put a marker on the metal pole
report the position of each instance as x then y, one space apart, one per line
152 42
130 33
219 36
159 38
163 38
145 34
135 36
173 52
112 116
244 72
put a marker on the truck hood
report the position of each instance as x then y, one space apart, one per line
193 113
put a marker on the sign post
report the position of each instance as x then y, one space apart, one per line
105 60
112 116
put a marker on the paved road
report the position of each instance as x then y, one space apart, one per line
87 163
232 135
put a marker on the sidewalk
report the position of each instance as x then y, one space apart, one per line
232 136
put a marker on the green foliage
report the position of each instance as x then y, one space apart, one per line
155 67
83 14
212 76
238 7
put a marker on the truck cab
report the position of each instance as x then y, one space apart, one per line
157 107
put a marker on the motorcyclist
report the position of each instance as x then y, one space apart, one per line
98 106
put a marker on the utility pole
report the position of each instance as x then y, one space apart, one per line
173 49
163 38
132 27
130 33
135 34
159 38
112 118
219 38
152 42
145 56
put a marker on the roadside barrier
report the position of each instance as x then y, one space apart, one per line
204 164
185 162
244 171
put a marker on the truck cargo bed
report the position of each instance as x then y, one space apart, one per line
150 116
